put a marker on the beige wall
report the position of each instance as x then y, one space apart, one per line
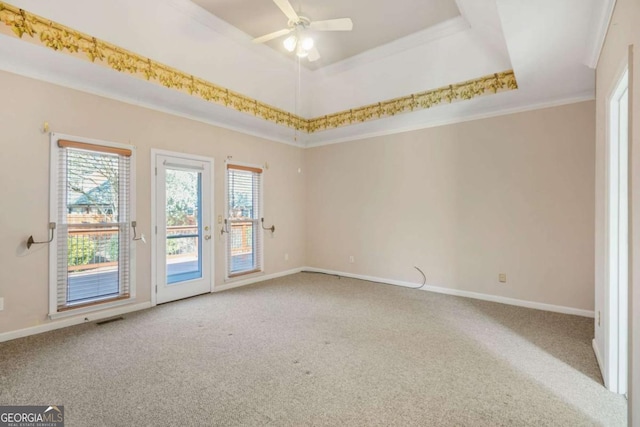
624 31
465 202
24 175
512 194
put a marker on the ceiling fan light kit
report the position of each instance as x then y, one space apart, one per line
302 46
307 43
300 43
290 43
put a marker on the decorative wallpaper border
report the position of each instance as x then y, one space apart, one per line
493 83
58 37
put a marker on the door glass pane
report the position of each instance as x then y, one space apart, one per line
184 225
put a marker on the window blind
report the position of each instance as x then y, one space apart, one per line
93 246
244 207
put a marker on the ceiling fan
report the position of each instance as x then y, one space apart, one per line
300 41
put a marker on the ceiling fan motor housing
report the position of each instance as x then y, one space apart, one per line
302 23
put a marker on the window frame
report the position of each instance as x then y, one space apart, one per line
228 277
54 312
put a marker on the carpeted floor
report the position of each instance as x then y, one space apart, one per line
310 349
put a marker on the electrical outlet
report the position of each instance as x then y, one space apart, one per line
219 219
502 278
286 257
1 304
352 259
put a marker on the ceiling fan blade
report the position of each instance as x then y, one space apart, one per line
287 9
314 55
271 36
340 24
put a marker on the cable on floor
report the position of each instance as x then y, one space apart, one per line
424 278
321 272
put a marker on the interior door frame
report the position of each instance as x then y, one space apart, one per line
614 327
154 236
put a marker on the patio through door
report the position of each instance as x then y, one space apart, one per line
183 227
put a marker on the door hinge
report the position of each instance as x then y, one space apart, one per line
156 171
156 229
156 289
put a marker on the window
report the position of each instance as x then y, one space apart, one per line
91 206
244 208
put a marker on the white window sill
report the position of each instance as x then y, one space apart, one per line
243 277
92 309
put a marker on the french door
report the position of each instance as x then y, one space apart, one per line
183 245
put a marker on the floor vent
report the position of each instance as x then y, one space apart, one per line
113 319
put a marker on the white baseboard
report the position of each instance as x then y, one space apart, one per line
598 359
70 321
82 318
90 317
467 294
255 279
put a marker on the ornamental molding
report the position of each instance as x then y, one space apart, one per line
493 83
36 29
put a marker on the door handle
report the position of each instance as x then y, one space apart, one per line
207 237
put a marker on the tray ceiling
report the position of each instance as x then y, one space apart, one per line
376 22
546 43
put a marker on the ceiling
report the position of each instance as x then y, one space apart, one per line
376 22
551 45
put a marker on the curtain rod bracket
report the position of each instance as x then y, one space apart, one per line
31 242
134 224
225 228
272 228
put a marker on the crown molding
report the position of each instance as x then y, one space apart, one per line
61 38
167 108
492 84
439 31
601 18
40 31
496 112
